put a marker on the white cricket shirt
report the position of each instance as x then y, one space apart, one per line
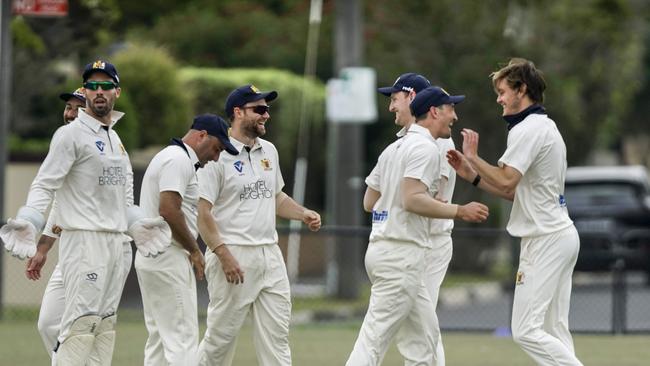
242 189
89 169
416 155
445 226
172 170
536 149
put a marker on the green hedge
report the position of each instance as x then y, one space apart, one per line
158 102
160 98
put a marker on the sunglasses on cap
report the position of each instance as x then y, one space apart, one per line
259 109
94 85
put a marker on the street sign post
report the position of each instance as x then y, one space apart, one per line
352 97
40 8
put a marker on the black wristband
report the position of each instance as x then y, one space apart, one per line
476 180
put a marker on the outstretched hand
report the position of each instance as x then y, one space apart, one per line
461 165
470 143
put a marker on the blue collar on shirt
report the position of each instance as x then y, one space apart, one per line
178 142
514 119
240 145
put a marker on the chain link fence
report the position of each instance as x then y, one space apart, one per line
613 297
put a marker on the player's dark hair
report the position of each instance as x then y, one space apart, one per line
520 72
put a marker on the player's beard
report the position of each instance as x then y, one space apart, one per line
513 107
101 110
253 129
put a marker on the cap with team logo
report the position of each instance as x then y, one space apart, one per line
406 82
101 66
217 127
246 94
75 94
433 96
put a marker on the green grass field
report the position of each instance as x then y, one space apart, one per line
330 344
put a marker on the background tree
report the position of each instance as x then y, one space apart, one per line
592 51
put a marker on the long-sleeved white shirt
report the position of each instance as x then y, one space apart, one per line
89 169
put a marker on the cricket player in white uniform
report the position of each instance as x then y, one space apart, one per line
240 198
170 188
400 195
53 304
401 93
531 173
89 170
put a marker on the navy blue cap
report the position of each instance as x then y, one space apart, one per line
78 93
101 66
246 94
217 127
433 96
406 82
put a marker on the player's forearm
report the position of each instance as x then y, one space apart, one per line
494 179
180 232
209 230
487 187
45 243
420 203
370 198
287 208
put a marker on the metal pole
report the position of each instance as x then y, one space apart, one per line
345 146
300 172
5 105
619 297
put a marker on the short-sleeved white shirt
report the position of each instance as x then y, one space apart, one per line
89 169
442 226
172 170
416 155
445 226
242 189
536 149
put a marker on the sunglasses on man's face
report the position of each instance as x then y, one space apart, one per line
94 85
259 109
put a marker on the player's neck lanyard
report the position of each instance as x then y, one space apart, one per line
178 142
514 119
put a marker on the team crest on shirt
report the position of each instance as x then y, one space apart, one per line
519 280
239 166
92 277
100 145
266 164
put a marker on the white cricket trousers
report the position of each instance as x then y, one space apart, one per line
400 306
92 266
53 304
540 312
168 289
265 293
437 261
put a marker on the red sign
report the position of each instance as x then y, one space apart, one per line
43 8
